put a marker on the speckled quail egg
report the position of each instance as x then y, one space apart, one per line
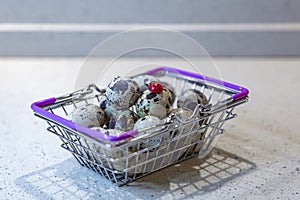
181 131
106 106
89 115
187 128
155 104
123 120
122 92
143 81
98 153
171 89
107 153
147 122
107 131
121 158
182 117
191 98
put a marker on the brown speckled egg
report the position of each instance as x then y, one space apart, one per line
188 128
89 115
106 106
115 157
171 89
110 156
183 115
147 122
191 98
122 92
123 120
155 104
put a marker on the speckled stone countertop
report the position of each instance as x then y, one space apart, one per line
257 158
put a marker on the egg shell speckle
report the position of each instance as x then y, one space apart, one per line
123 120
115 156
147 122
89 115
171 89
106 106
155 104
122 93
184 115
191 98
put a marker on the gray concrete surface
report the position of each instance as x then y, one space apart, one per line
257 158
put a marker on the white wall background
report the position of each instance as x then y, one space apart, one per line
223 27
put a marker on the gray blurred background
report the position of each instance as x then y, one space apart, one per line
224 27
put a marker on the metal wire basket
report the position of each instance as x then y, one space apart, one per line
132 155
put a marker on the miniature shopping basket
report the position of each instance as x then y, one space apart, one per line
132 154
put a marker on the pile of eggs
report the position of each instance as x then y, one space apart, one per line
137 103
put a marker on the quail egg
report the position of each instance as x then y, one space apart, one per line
89 115
123 120
122 92
158 104
191 98
106 106
147 122
171 89
122 158
185 131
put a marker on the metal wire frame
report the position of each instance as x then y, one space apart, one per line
124 162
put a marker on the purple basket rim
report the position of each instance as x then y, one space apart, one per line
37 107
243 92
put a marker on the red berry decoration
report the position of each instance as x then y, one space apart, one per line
155 87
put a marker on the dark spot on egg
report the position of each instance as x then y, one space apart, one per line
112 123
151 95
144 118
169 100
106 132
132 89
120 86
155 100
103 105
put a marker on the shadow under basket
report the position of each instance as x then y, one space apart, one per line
132 154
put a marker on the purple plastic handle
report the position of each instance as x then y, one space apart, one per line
243 92
36 107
